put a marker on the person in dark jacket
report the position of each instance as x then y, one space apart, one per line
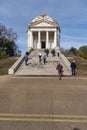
44 59
26 59
73 68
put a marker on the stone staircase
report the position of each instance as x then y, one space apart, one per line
34 68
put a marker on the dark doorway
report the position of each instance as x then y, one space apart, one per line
43 45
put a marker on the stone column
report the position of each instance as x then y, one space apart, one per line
55 39
47 39
39 40
30 40
58 43
58 39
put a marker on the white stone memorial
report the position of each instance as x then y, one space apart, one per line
43 33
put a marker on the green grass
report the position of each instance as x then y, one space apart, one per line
6 64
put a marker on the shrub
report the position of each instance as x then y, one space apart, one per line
83 55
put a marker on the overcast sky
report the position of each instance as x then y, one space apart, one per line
71 15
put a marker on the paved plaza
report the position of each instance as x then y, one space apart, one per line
43 103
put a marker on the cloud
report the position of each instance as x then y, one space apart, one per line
71 15
72 41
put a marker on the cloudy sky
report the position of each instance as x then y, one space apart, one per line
71 15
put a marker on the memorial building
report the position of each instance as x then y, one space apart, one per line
43 33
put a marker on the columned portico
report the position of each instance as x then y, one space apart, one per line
43 39
43 33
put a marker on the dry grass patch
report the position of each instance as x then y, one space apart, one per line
6 64
81 66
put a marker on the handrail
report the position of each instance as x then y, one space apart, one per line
16 65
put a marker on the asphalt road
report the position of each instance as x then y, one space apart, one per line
43 103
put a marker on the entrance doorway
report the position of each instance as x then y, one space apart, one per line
43 45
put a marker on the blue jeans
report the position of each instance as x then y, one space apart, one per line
73 71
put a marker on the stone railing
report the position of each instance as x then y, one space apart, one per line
66 62
16 65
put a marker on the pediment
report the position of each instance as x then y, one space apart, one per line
43 24
43 21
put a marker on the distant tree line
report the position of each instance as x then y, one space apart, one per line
8 40
81 52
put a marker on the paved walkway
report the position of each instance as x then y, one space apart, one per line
35 103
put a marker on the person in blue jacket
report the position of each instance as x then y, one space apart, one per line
26 59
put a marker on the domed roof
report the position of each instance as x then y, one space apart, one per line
44 18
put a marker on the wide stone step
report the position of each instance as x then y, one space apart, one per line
36 68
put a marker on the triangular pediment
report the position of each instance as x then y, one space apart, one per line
43 24
43 21
46 24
